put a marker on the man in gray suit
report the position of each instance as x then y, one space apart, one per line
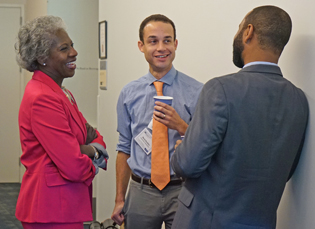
246 136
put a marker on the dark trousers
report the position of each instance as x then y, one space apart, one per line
147 207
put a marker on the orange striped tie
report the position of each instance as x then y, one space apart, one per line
160 162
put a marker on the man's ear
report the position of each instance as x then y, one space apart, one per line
140 45
248 34
176 43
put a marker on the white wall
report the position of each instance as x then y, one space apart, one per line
205 31
35 8
22 2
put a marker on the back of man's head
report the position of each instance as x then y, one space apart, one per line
272 25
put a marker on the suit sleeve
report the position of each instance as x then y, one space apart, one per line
51 127
204 134
297 158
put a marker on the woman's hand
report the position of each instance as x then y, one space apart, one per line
91 133
88 150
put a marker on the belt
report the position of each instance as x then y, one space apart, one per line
149 182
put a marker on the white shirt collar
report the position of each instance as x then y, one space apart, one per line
259 62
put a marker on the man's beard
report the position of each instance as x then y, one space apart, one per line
238 48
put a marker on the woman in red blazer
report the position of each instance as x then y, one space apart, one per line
61 151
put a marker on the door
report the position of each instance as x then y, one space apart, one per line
10 94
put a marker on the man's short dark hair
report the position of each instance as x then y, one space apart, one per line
272 25
155 17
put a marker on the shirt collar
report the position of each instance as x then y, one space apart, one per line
168 78
259 62
44 78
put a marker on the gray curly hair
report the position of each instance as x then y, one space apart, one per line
35 39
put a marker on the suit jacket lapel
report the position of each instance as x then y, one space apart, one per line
45 79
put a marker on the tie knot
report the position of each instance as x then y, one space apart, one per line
158 87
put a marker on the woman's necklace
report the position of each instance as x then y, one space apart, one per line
67 93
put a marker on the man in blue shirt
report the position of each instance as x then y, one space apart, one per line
145 205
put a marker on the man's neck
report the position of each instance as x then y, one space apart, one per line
159 74
260 55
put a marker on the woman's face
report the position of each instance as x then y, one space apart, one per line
61 61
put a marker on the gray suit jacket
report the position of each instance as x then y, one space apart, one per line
241 147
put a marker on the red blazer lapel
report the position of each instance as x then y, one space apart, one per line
74 111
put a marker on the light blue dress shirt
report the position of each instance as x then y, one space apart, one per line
135 111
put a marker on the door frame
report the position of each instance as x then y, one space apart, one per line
22 83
